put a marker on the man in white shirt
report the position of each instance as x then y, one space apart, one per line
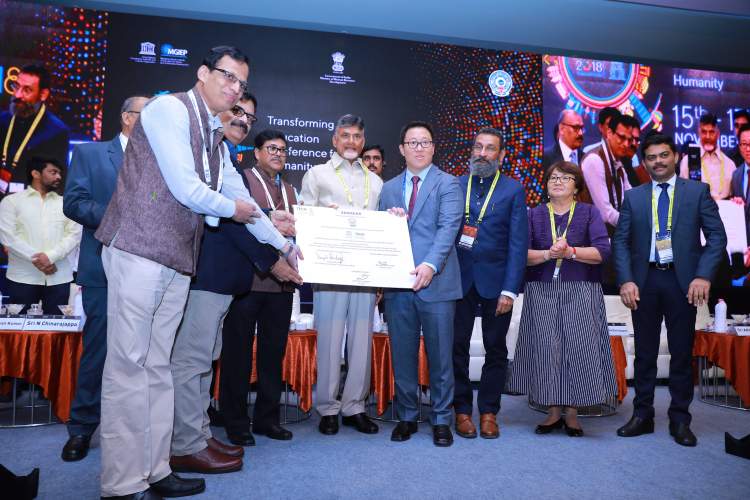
716 167
38 238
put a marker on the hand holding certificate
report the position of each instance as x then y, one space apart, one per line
354 247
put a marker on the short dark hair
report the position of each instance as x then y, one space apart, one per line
268 135
248 96
375 146
744 128
653 138
708 119
631 122
607 113
216 53
40 72
620 119
743 113
565 167
39 163
492 131
414 124
350 120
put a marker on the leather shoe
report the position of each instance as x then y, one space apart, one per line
488 428
403 431
361 422
176 486
225 449
546 429
243 438
329 425
636 426
573 431
465 427
682 434
442 435
76 448
274 431
206 461
148 494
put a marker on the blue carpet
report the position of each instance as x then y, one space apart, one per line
519 464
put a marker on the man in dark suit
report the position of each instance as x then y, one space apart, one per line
665 273
568 140
741 176
741 118
432 200
492 256
91 182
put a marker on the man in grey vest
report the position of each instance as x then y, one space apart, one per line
176 174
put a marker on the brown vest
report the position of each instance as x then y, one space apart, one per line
585 196
266 282
144 216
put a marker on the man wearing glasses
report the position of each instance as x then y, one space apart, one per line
176 175
570 132
741 118
637 174
741 176
343 182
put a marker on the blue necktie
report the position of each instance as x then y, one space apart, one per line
663 208
574 157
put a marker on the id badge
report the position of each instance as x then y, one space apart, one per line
468 236
664 249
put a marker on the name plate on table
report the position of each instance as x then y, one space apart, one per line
52 323
618 329
354 247
742 331
12 322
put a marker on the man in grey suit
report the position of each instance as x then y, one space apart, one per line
91 182
432 200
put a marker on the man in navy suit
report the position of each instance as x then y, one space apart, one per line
91 182
568 140
492 251
664 272
432 201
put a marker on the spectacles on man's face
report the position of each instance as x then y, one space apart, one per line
576 128
745 145
239 113
664 155
635 139
414 143
561 179
232 78
478 148
623 137
275 150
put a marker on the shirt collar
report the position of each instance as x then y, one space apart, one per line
422 175
338 161
716 151
565 150
609 155
30 191
123 140
671 183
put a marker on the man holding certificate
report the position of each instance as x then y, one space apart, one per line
343 182
432 200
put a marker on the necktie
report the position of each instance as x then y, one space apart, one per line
413 198
747 189
662 208
574 157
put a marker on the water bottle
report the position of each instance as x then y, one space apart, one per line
720 316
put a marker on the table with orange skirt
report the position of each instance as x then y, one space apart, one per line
732 354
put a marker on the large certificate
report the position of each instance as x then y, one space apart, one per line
733 216
354 247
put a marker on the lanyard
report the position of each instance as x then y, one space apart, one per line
486 200
704 174
271 204
552 224
206 167
348 191
25 141
655 215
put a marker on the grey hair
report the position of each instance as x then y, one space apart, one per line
492 131
349 120
127 104
563 113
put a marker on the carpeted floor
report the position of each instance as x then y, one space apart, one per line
519 464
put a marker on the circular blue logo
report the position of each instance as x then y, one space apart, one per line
500 83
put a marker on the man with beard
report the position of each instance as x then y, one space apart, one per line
343 182
716 167
38 238
29 128
373 157
568 142
492 249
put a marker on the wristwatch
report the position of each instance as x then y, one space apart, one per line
573 255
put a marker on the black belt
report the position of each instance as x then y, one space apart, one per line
661 267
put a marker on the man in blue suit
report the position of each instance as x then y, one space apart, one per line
492 251
665 273
432 201
90 184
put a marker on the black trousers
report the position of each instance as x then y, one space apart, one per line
662 297
494 330
271 312
51 296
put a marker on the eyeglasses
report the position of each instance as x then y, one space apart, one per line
635 140
239 113
134 112
413 144
663 155
624 138
14 86
232 78
576 128
745 145
275 150
561 179
478 148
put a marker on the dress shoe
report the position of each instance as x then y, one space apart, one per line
403 431
329 425
573 431
243 438
488 428
148 494
682 434
636 426
215 417
547 428
361 422
76 448
274 431
225 449
206 461
465 427
176 486
442 435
